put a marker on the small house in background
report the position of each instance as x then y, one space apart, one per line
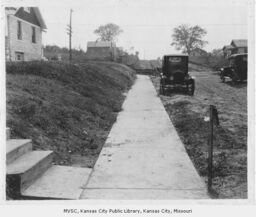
236 47
198 52
23 34
131 60
227 50
101 50
239 46
52 56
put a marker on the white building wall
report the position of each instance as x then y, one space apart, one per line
32 51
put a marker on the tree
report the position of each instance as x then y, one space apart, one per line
217 52
187 38
108 32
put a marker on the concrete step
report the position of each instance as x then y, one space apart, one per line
22 172
16 148
59 182
8 133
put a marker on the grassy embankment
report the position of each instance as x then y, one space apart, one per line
66 108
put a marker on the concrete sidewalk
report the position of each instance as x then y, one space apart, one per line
143 157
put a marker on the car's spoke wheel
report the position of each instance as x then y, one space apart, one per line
234 78
222 79
163 91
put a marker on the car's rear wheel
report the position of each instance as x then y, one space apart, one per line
161 89
222 78
234 78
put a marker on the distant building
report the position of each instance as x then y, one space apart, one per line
52 56
101 50
227 50
236 46
198 52
23 35
239 46
130 60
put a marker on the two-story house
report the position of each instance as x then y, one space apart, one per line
239 46
236 46
23 34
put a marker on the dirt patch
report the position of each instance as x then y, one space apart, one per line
230 141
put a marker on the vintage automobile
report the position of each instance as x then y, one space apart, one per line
175 74
237 69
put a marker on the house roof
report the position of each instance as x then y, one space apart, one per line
239 43
199 50
10 10
227 47
34 16
39 17
100 44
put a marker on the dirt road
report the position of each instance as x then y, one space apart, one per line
230 100
230 145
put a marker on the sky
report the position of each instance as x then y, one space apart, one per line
147 24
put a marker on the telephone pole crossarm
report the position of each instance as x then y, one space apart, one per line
69 32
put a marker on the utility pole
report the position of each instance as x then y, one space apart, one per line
70 35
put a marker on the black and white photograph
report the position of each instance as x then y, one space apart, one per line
124 100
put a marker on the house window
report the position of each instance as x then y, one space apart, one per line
27 9
241 50
33 34
19 56
19 31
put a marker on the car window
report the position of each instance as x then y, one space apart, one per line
175 59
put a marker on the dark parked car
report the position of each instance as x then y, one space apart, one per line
175 74
237 69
